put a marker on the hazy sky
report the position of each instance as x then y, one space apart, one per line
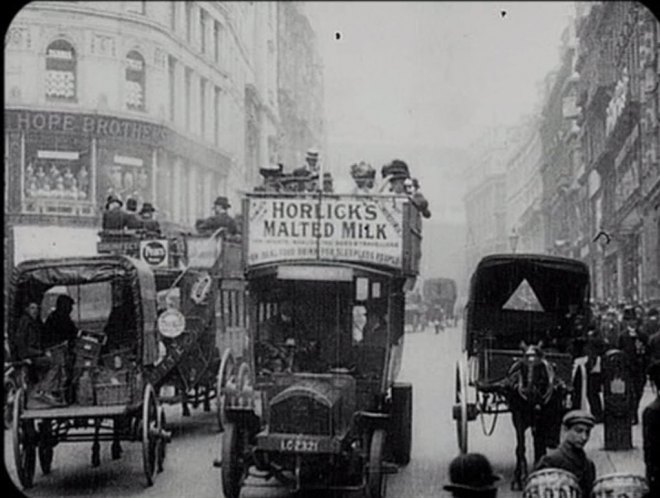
420 72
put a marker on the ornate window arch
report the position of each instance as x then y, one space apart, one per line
134 81
61 71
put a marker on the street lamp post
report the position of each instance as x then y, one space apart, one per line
513 240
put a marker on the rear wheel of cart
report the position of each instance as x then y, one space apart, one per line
24 442
150 433
234 464
376 479
226 376
400 435
460 407
45 447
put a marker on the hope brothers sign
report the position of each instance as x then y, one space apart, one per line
341 228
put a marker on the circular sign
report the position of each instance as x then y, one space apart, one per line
154 252
171 323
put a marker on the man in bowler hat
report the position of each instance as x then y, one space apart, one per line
114 218
219 219
147 221
472 476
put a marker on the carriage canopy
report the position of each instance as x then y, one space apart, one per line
83 278
526 297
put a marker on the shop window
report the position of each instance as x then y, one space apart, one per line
135 81
61 71
57 178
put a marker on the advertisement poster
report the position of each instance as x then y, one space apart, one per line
358 229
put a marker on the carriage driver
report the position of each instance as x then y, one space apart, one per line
570 454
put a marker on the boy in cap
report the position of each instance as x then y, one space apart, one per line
471 476
651 434
219 219
570 455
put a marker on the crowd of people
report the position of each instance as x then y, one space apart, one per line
633 329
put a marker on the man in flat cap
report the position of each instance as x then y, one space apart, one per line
634 346
570 455
219 219
651 434
472 476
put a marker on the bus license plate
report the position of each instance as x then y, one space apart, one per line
299 445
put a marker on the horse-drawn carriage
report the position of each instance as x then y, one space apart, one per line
201 311
319 407
518 339
99 386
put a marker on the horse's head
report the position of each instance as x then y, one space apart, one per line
533 376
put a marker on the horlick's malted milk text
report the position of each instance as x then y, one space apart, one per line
311 219
338 228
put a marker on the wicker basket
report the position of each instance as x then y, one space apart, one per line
113 394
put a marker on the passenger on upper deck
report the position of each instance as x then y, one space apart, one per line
150 225
310 167
364 176
272 174
132 219
219 219
114 218
412 189
394 174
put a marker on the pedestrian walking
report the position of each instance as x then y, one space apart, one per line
634 347
471 476
570 454
651 434
594 347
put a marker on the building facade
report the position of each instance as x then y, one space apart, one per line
524 190
300 86
618 69
172 103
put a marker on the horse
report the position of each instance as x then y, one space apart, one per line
535 396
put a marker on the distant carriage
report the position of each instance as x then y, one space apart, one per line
440 299
520 327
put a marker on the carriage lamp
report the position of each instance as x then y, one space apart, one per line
513 240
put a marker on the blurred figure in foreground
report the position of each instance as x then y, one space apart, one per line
472 476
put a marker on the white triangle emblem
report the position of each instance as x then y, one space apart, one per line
523 299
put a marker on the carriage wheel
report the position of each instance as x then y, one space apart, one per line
162 447
23 438
45 447
460 407
225 376
234 464
376 479
150 433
